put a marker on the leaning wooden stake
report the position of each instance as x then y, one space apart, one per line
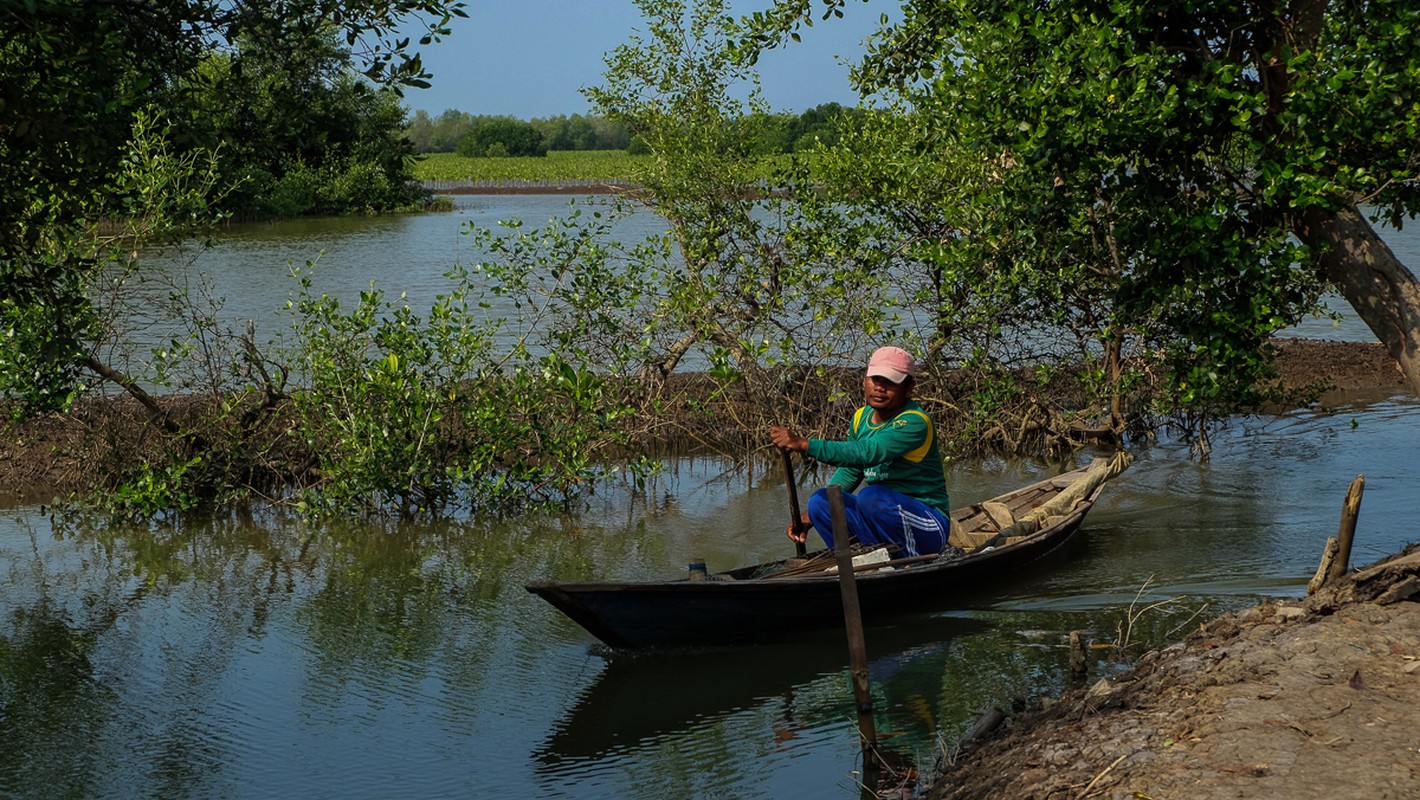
990 719
1336 559
1323 570
1347 533
853 622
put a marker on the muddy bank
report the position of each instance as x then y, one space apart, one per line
1336 366
63 453
1317 698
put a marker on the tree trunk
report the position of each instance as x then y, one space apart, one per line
156 413
1383 292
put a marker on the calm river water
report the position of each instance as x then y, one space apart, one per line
257 658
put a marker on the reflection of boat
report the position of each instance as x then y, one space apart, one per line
638 697
764 602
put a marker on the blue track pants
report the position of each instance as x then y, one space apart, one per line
877 515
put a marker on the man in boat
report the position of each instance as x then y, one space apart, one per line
891 450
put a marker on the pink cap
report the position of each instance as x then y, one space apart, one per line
892 363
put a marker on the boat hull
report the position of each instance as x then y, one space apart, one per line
746 611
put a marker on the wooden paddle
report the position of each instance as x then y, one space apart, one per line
796 521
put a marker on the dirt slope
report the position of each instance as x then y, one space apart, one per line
1284 701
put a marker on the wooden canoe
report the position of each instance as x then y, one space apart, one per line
991 540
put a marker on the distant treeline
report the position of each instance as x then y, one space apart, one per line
476 136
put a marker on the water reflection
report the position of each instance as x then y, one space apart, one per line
47 683
697 687
258 657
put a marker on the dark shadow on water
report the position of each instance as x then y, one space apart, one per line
645 696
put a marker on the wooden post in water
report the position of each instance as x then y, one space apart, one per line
1079 665
1347 533
1336 558
853 622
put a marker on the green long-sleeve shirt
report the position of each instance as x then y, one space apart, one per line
900 454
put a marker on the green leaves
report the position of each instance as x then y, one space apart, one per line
510 137
82 143
420 416
1153 160
40 353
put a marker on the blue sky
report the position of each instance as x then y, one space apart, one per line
529 58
